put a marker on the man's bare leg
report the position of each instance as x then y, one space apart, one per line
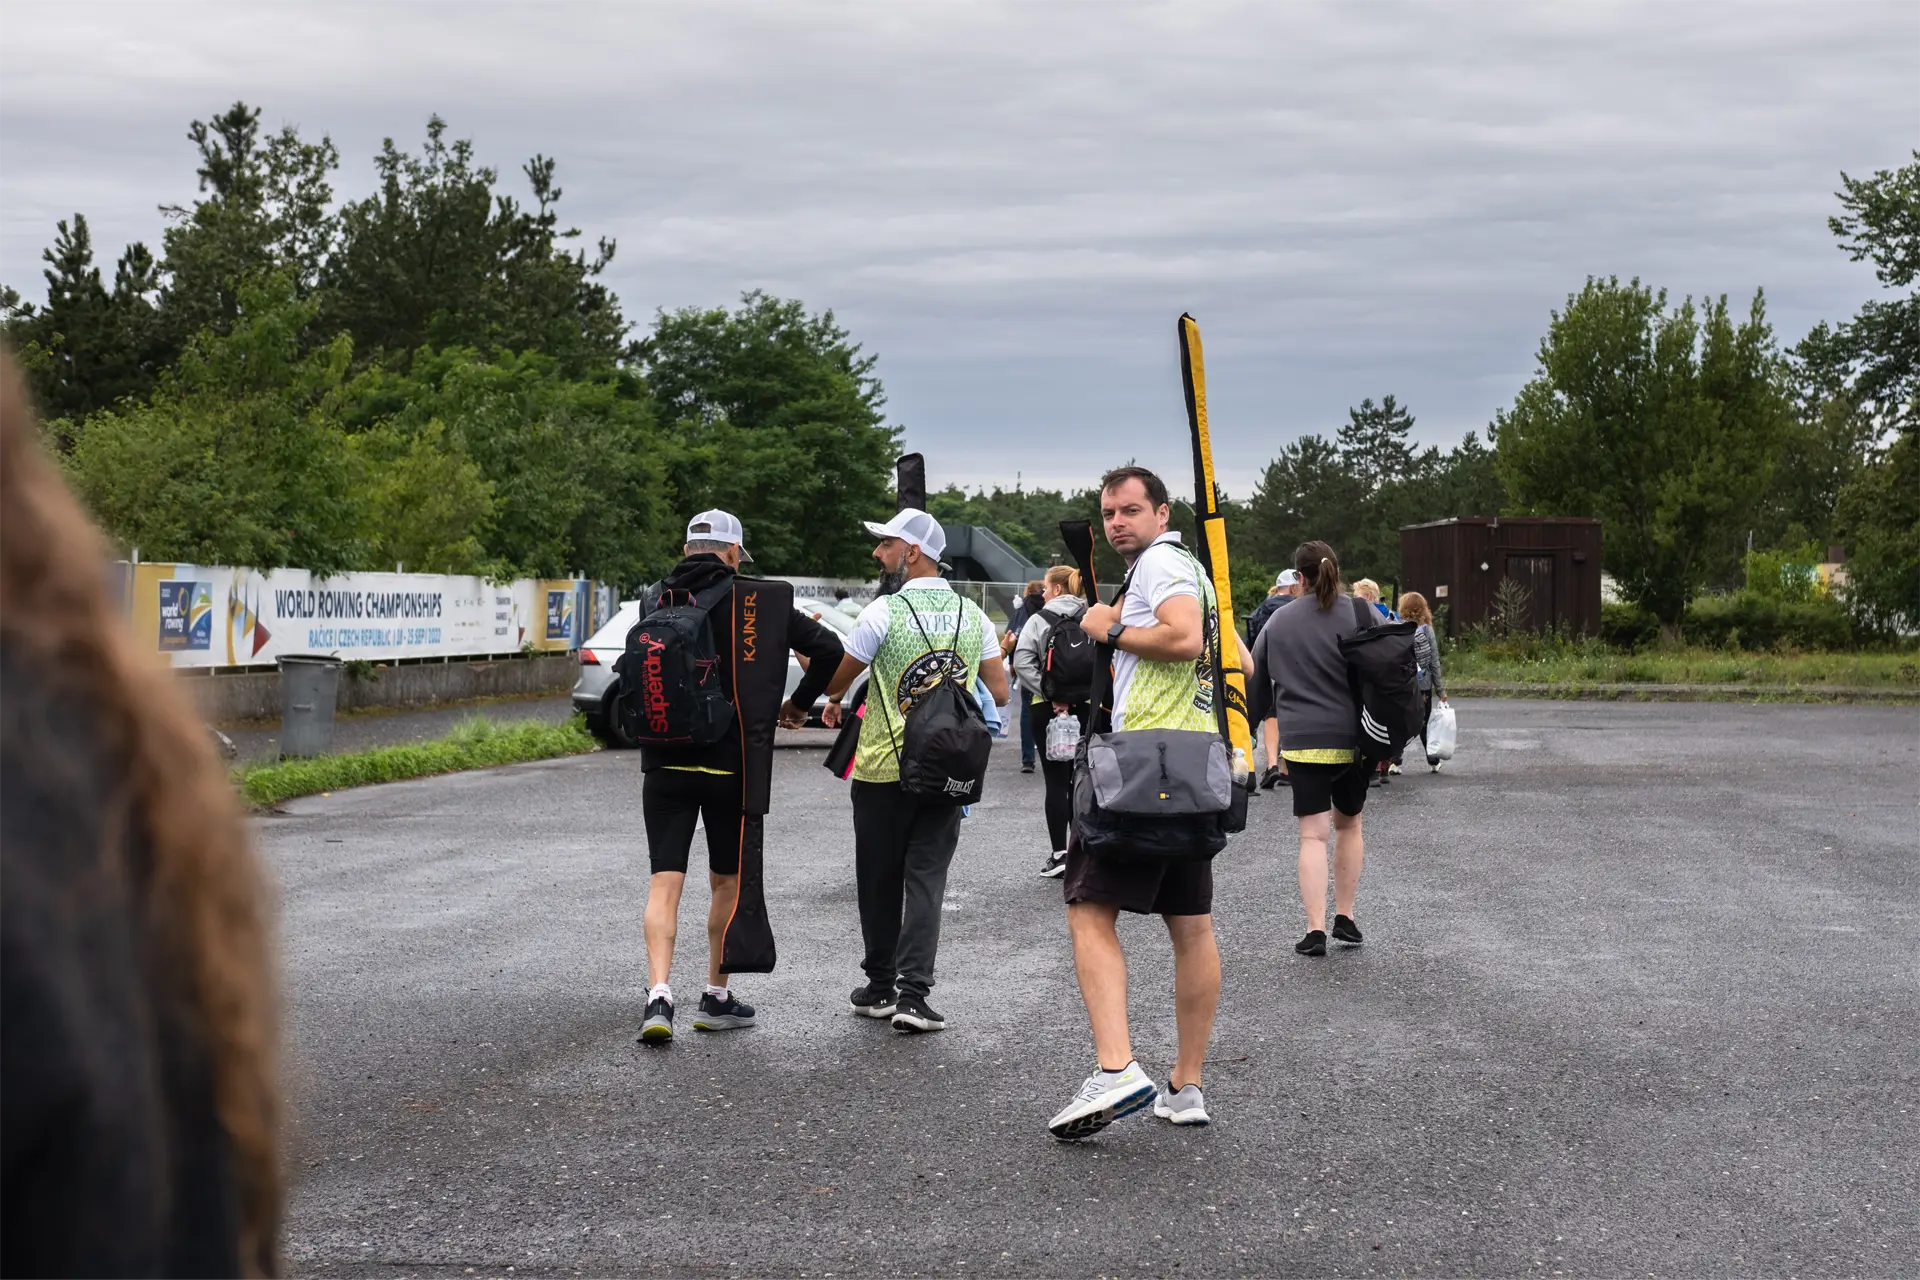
1102 969
1196 994
661 923
1313 869
1349 851
726 892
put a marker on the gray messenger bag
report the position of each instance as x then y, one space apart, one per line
1154 794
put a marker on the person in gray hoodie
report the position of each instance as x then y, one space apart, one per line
1062 606
1300 675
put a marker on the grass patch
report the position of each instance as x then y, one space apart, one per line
1595 664
474 743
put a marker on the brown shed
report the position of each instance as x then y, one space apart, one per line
1460 563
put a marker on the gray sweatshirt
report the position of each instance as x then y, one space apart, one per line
1029 656
1300 676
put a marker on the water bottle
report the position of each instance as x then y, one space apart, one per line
1063 736
1242 771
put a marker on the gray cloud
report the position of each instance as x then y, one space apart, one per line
1011 204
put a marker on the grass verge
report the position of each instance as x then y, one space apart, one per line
475 743
1594 665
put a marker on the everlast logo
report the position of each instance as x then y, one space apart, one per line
749 624
955 787
654 686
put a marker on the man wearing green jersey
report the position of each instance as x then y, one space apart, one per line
918 630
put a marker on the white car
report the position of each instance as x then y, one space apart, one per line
604 647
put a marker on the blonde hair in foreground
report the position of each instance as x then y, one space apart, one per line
204 890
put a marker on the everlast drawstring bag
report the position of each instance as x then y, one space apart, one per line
944 741
1385 678
670 685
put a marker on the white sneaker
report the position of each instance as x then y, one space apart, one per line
1104 1098
1184 1107
1393 768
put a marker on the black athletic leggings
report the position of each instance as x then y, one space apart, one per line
1058 773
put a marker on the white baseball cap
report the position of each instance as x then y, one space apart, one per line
915 526
717 526
1287 578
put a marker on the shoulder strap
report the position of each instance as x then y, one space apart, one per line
1363 612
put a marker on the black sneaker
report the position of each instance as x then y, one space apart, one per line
1345 930
1314 944
1026 766
722 1015
914 1014
1286 779
1271 778
1055 866
873 1001
658 1027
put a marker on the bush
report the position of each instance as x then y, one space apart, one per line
1627 626
1746 620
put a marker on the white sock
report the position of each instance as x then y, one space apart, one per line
718 993
661 992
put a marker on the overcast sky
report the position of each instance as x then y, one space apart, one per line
1011 204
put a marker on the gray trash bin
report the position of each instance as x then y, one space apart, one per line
309 688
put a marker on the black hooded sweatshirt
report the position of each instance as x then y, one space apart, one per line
817 643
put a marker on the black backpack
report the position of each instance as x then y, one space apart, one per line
1067 660
670 686
1385 678
945 742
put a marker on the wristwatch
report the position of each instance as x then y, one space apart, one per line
1113 633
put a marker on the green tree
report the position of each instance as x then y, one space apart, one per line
437 258
1880 222
1878 516
776 415
428 507
238 458
574 468
1663 423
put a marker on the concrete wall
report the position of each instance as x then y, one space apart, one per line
256 695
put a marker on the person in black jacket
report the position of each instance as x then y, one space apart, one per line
1286 587
684 785
136 970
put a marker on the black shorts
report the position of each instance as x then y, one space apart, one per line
1320 787
673 801
1147 887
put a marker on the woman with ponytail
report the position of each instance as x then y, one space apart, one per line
136 969
1300 676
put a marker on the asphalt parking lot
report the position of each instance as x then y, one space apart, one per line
1640 994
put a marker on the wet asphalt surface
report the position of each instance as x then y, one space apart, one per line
1640 994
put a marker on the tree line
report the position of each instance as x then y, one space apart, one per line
436 375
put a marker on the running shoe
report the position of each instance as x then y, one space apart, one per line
1105 1097
1184 1107
722 1015
873 1001
1055 866
1314 944
658 1028
1026 766
1394 768
1271 778
913 1014
1345 930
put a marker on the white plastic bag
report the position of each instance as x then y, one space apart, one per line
1442 732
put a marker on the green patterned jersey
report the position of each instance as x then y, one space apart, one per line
905 663
1166 695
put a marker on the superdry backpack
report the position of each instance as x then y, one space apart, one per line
945 742
1066 661
1385 678
670 687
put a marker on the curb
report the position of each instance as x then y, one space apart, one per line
1684 692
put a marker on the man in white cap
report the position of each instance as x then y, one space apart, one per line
1286 587
917 632
684 783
